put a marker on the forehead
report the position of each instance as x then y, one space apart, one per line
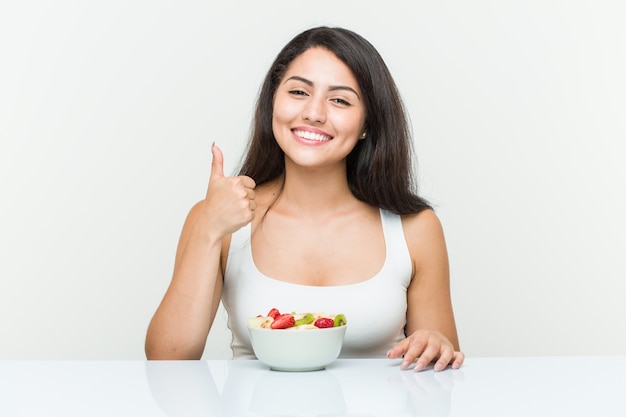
323 67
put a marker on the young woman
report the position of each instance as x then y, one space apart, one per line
323 217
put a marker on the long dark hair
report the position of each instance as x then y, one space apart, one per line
379 168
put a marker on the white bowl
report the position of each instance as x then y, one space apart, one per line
297 349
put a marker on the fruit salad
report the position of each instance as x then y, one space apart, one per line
301 321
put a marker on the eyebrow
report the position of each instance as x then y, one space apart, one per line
331 88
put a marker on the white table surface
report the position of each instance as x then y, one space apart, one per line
503 387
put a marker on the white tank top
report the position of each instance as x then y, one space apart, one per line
375 309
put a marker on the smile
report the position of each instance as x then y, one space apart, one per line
311 136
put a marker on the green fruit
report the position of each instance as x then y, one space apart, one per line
306 319
340 320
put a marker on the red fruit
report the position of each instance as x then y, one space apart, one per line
324 322
273 313
283 321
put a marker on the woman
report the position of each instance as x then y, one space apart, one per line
323 217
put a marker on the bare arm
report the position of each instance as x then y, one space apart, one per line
180 326
431 329
181 323
429 302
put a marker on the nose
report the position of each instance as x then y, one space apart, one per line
314 110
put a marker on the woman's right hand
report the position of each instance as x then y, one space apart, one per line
229 204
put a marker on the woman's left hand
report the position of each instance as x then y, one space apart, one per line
424 347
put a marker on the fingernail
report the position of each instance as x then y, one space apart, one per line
419 367
388 353
455 366
405 365
438 367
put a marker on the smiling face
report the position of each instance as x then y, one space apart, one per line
319 113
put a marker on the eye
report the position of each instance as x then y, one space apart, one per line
341 101
298 92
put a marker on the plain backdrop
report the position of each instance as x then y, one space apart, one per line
108 110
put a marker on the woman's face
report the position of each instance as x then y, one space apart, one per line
319 113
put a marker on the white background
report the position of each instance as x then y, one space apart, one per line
108 110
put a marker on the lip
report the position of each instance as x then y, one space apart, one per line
311 136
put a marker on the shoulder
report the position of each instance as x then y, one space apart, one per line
425 239
422 225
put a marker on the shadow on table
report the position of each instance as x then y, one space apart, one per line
429 392
188 389
317 393
183 388
389 391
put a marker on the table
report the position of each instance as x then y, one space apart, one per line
508 386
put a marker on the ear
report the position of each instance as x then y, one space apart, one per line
363 132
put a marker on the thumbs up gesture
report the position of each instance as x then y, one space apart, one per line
229 201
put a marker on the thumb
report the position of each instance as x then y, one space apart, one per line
217 165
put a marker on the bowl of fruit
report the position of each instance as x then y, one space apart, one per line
297 341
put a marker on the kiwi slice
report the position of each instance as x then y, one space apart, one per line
340 320
306 319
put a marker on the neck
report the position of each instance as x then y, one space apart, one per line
318 191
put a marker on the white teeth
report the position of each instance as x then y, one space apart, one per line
311 136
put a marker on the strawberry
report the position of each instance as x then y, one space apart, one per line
273 313
324 322
283 321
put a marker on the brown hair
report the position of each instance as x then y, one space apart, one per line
379 169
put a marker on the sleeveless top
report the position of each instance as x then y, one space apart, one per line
375 309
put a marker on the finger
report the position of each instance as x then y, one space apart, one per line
217 164
399 349
459 358
247 182
414 352
446 356
430 353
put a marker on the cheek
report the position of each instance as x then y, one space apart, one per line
278 117
282 111
280 120
350 125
